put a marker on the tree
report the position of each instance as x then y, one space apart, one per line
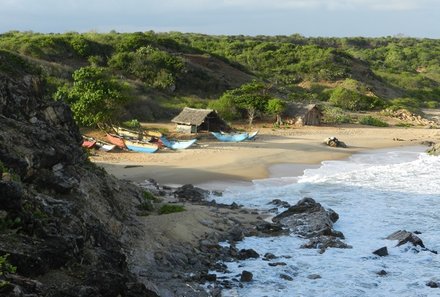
276 106
95 96
251 97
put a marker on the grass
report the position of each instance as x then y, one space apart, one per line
171 208
372 121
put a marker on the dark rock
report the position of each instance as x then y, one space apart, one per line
382 252
433 284
244 254
270 228
286 277
382 273
190 193
269 256
314 276
324 242
280 203
403 236
246 276
273 264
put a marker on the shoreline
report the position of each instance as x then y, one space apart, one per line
272 154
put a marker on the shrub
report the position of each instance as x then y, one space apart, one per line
148 196
352 100
372 121
171 208
134 123
411 104
431 104
335 115
5 267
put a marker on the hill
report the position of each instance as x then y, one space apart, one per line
163 72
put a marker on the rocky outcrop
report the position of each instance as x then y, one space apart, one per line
434 150
64 221
309 219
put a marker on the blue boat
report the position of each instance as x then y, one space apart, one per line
177 145
141 147
252 135
236 137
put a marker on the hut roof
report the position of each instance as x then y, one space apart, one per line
192 116
295 109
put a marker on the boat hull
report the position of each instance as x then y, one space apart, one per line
230 137
141 147
177 145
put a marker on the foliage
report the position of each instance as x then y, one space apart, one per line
372 121
95 96
148 196
134 123
410 104
352 100
335 115
5 267
171 208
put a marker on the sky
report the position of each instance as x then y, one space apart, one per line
325 18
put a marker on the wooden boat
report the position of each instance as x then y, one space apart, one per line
142 147
106 147
127 133
252 135
116 140
235 137
88 144
136 134
177 145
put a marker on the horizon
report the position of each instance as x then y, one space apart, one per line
312 18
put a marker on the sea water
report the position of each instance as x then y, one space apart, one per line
375 194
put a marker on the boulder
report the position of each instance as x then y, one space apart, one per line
382 252
246 276
403 236
190 193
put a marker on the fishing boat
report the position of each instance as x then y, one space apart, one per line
177 145
127 133
228 137
88 144
116 140
142 147
252 135
106 147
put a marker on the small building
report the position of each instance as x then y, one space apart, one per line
309 115
193 120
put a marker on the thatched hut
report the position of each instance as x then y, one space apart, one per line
192 120
309 115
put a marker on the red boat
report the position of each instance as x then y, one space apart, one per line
88 143
116 140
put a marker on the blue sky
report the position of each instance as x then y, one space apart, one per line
371 18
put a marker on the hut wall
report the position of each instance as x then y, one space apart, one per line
312 118
188 129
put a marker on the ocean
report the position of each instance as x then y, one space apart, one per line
375 194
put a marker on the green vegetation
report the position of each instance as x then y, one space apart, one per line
5 267
237 75
335 115
171 208
372 121
132 124
95 96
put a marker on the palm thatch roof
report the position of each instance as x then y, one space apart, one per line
192 116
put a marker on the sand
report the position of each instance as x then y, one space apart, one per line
275 152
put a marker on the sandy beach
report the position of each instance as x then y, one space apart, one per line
275 152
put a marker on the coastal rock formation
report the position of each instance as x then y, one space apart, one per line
309 219
403 236
64 221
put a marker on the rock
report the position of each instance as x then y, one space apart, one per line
269 256
307 218
190 193
382 273
314 276
272 229
280 203
433 284
286 277
403 236
382 252
324 242
273 264
246 276
434 150
244 254
334 142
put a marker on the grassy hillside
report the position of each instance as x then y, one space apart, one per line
162 72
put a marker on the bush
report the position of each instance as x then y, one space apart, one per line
431 104
410 104
372 121
335 115
352 100
171 208
133 124
5 267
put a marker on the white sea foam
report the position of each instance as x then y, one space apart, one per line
374 194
